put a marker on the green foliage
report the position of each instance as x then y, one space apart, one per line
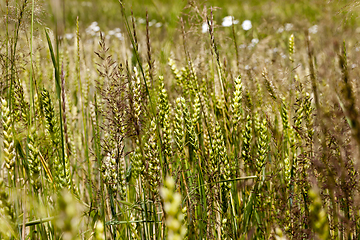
168 132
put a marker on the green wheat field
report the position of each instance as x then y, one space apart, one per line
172 120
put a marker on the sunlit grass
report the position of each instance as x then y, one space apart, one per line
185 120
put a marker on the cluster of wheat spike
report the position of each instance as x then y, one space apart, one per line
127 144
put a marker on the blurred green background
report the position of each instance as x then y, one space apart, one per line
107 12
264 13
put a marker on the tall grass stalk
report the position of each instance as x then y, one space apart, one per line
56 65
152 106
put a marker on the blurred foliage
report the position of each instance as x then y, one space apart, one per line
108 13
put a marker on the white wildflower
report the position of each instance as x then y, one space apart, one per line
119 36
204 27
141 20
253 43
228 21
93 28
288 27
96 28
313 29
246 25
